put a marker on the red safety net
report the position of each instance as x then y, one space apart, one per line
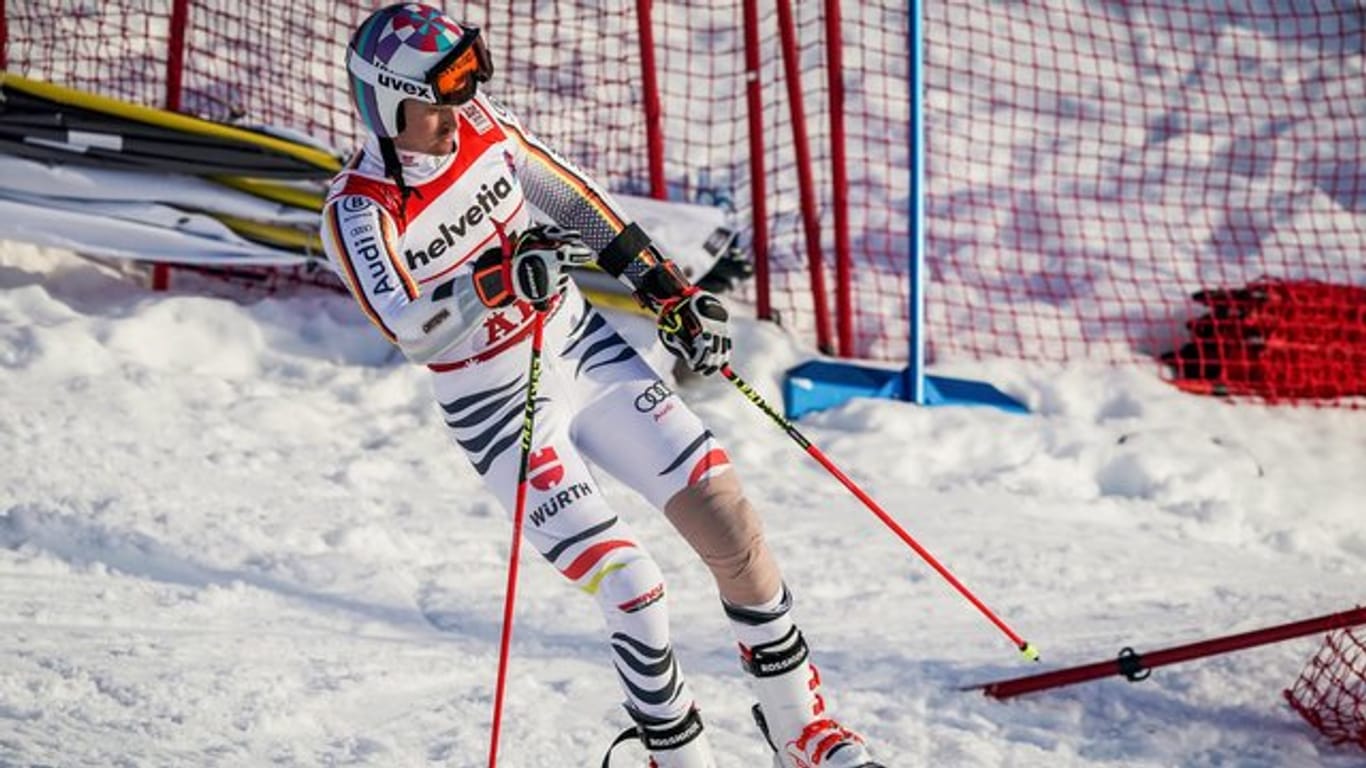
1277 340
1090 166
1331 691
1093 165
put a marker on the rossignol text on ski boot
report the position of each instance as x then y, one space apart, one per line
676 743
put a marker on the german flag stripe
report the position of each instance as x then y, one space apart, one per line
715 459
352 279
569 177
590 557
355 161
387 235
595 583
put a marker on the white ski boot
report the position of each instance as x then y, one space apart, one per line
791 711
676 743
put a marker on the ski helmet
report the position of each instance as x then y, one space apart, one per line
412 51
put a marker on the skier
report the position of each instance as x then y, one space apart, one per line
430 225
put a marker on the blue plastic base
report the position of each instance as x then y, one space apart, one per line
820 384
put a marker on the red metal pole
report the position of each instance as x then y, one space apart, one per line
4 37
654 113
758 183
175 68
787 33
1132 665
834 48
175 53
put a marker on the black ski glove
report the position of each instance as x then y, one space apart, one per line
694 327
534 270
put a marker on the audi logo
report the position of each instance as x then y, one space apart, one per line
656 394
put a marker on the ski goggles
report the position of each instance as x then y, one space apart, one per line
456 78
451 81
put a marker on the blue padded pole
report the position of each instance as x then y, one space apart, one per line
915 368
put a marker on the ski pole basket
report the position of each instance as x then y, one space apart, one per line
1331 690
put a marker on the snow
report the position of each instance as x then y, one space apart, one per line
235 535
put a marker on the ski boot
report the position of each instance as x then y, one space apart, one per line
791 712
676 743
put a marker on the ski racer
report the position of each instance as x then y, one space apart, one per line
431 227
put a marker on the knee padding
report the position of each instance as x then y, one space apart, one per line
722 527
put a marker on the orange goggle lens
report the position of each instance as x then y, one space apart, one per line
456 79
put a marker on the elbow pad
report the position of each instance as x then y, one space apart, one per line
436 322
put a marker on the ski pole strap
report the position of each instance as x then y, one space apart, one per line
662 286
622 738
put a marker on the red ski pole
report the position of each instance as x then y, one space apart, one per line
510 594
1025 648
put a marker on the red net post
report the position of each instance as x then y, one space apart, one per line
754 104
1331 691
806 185
839 175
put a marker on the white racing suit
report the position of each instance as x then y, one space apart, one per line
408 263
408 259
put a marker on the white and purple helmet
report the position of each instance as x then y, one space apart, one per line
412 51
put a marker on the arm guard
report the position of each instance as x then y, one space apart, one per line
656 280
437 321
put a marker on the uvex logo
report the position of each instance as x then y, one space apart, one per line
485 201
407 86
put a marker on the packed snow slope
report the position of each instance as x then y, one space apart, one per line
235 535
